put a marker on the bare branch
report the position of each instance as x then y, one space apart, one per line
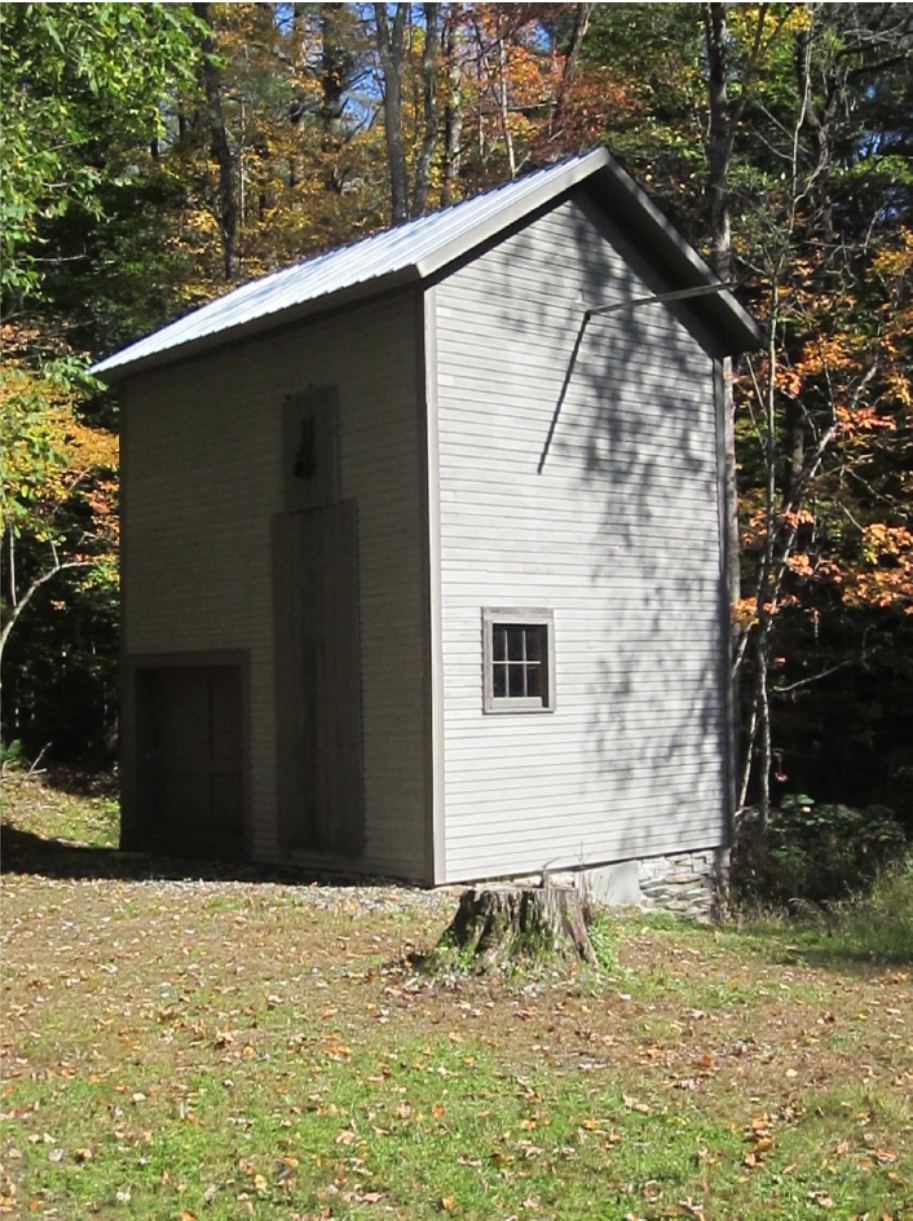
23 602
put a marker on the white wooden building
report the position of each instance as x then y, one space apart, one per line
423 568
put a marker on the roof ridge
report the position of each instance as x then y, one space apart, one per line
412 221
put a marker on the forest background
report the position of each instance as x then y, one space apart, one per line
153 155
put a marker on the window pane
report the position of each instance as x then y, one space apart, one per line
499 688
534 643
515 643
516 681
499 643
534 681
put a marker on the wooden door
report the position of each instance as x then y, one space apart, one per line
318 679
191 751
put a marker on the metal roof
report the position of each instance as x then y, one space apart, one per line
415 251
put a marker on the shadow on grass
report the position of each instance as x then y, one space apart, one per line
844 957
840 952
851 942
23 852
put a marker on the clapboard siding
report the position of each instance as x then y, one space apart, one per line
202 443
619 536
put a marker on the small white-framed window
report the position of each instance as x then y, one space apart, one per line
518 652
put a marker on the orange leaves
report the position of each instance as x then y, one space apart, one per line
886 577
760 1134
881 542
863 419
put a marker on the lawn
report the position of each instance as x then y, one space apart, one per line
224 1045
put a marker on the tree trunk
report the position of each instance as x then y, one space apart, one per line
581 24
334 73
390 49
719 155
500 923
453 109
226 210
503 103
429 107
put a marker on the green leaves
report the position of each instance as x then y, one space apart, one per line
77 82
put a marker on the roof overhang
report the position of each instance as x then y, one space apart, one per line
119 366
681 265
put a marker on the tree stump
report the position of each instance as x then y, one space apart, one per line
504 922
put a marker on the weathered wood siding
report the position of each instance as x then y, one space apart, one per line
619 535
202 446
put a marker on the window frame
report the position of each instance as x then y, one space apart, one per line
493 617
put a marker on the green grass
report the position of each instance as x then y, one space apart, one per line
871 928
53 813
176 1051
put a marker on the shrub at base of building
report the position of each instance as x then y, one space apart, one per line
812 852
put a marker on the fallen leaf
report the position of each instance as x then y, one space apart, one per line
528 1148
886 1156
448 1204
822 1199
634 1105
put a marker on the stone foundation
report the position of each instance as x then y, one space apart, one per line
690 884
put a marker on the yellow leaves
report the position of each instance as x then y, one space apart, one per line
54 466
828 353
892 262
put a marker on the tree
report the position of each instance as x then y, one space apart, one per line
393 51
84 90
778 138
58 492
831 417
78 81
